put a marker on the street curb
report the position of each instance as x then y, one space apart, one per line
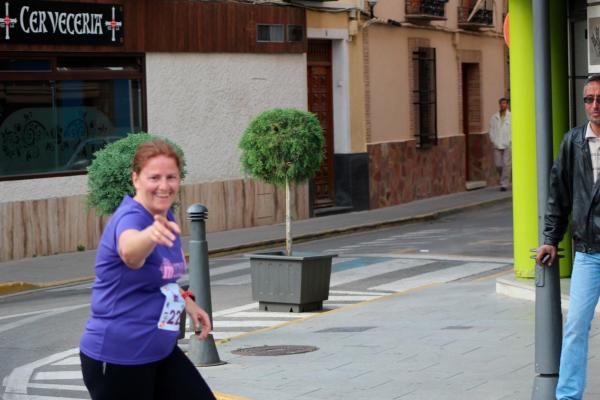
16 287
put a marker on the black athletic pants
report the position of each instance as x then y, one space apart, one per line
174 377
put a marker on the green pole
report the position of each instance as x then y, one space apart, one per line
560 99
522 90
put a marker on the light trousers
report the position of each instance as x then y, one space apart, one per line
503 162
585 289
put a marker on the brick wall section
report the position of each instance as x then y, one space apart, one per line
481 162
400 172
367 83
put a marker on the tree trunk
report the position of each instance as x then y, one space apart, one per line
288 218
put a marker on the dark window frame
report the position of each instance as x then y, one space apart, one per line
60 75
425 96
295 26
283 33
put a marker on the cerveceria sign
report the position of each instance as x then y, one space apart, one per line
61 23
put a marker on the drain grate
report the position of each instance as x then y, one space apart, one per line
281 350
344 329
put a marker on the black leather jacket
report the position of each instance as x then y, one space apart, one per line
572 191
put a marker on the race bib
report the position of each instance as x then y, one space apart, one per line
172 309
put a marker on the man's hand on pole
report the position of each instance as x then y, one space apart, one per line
546 255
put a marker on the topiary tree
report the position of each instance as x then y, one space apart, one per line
109 174
283 146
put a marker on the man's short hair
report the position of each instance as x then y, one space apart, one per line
590 79
502 99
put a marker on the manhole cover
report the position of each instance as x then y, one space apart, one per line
282 350
342 329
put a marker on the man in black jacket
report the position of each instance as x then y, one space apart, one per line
574 190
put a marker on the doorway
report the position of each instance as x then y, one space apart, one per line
471 118
320 102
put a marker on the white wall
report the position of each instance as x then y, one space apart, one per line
203 102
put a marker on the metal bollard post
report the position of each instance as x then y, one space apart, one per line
548 329
202 353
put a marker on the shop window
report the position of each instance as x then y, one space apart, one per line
424 96
54 126
269 33
16 65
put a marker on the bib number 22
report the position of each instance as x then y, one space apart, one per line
172 308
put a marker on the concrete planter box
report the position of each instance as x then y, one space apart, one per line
290 284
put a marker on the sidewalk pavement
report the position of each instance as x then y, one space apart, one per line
79 266
454 341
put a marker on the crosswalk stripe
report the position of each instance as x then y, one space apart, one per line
234 280
20 396
226 335
349 292
218 271
16 382
68 361
233 310
54 386
57 375
271 314
243 324
219 334
369 271
441 276
331 306
352 298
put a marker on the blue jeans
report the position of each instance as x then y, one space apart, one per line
585 289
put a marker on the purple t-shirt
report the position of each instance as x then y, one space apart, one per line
127 303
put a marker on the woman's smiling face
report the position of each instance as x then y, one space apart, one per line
157 184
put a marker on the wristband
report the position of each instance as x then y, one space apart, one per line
187 293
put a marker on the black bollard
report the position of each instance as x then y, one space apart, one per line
202 353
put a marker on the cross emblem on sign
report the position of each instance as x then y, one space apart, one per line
113 25
7 22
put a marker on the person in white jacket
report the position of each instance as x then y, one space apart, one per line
500 135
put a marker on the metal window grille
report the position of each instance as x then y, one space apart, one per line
424 96
433 8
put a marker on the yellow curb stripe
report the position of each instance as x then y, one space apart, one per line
226 396
15 287
492 276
